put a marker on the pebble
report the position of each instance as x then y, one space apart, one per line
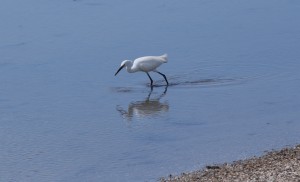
283 165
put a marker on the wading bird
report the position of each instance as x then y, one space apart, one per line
145 64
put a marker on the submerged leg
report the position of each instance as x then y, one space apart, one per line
163 76
151 84
148 98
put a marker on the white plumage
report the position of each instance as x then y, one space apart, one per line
145 64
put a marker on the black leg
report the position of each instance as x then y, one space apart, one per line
166 89
163 76
150 93
151 84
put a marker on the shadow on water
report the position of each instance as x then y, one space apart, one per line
152 106
224 74
148 108
175 81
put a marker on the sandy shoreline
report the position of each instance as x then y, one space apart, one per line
282 165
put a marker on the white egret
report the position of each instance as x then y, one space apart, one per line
145 64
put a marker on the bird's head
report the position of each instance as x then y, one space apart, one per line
123 64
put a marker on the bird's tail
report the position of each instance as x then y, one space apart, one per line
165 57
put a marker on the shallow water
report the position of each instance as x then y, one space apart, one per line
233 73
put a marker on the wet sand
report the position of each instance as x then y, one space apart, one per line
283 165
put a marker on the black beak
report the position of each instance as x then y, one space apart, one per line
119 69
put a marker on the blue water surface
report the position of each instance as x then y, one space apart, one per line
234 86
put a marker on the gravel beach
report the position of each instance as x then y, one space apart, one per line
283 165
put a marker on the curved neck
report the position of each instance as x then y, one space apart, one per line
129 68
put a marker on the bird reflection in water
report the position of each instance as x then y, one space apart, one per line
149 108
